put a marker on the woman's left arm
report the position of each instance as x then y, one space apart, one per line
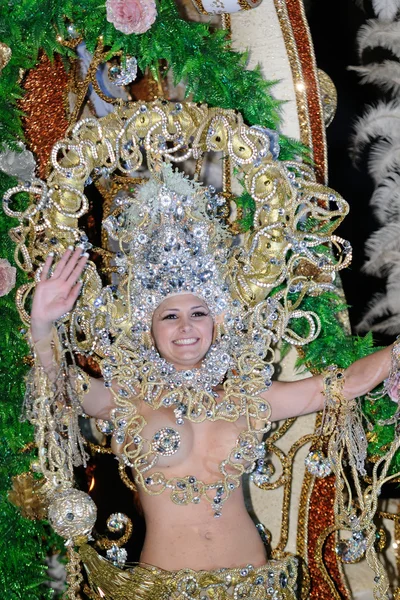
295 398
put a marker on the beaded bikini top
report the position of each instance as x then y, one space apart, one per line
191 397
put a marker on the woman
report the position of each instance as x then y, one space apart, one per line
182 540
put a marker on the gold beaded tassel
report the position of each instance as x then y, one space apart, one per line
355 513
74 575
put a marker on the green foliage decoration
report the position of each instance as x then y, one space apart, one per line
198 56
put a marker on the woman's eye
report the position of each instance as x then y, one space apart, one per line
171 316
200 314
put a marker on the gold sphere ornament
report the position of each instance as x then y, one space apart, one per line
328 97
5 55
72 514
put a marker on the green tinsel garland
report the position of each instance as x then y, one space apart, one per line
24 543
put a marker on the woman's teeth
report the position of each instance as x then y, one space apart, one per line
185 342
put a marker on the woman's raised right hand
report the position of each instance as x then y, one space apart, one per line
57 294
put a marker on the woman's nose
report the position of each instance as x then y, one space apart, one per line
185 324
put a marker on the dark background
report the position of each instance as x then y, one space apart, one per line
334 26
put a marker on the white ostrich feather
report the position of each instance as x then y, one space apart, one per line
377 308
57 573
386 10
383 312
379 127
379 121
381 263
377 33
382 250
385 200
378 318
385 75
383 159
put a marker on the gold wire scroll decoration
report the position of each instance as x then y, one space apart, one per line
105 543
175 132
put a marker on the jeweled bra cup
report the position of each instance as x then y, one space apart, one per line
142 454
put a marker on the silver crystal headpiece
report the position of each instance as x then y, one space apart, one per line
172 242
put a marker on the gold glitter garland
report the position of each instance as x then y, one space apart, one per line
297 74
397 550
226 24
199 6
44 106
313 524
299 47
320 508
285 479
302 529
307 58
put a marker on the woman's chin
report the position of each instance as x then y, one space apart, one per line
188 360
186 365
185 357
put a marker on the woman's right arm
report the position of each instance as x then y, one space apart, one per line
54 296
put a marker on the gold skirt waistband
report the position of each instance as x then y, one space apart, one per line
276 580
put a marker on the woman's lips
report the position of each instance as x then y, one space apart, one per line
186 341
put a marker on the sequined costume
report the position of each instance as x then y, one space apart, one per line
274 581
173 237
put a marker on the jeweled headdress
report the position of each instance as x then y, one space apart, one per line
171 241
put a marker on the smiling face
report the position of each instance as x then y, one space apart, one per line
182 329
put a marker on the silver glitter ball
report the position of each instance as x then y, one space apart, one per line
72 513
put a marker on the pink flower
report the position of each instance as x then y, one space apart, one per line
131 16
7 277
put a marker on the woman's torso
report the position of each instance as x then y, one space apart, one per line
189 536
